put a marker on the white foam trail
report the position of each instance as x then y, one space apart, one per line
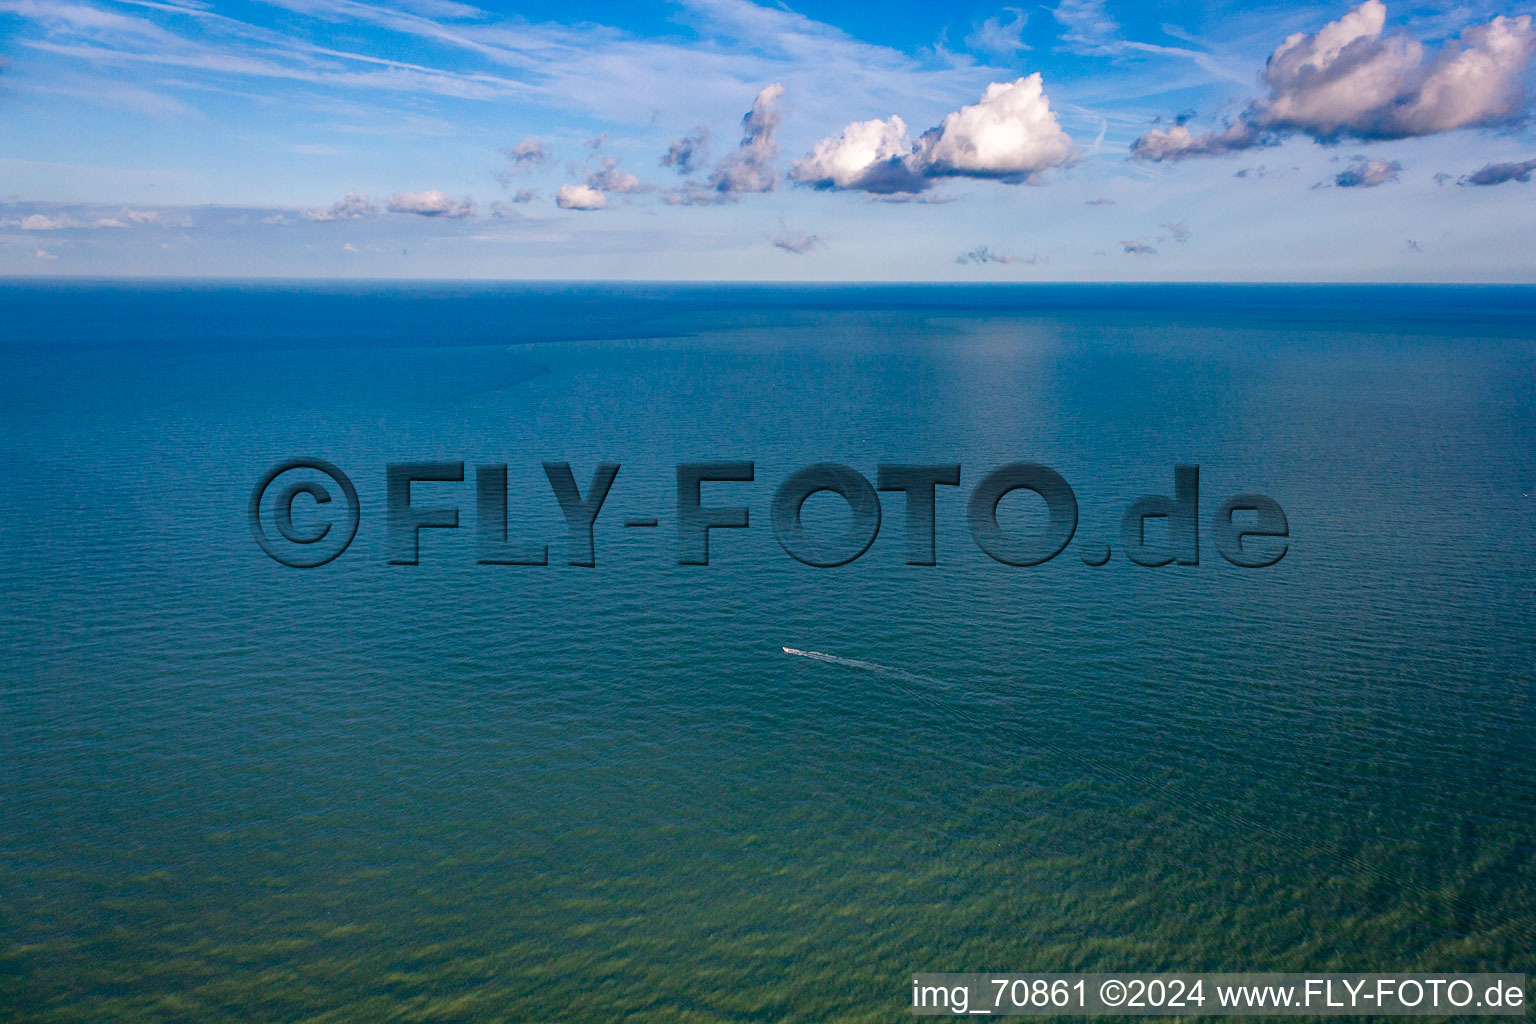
1113 770
867 666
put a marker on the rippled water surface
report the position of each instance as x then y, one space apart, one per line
239 791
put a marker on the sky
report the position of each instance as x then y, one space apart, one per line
829 140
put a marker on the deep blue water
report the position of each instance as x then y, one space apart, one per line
240 791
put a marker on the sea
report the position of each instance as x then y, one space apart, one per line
757 789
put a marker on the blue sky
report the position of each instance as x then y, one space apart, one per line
831 140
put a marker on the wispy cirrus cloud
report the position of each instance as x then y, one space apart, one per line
474 54
999 38
1088 28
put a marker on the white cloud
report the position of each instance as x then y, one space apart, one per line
872 156
1349 80
352 206
431 203
45 255
1477 79
1010 134
528 153
608 178
1177 142
132 216
580 197
1368 173
749 167
687 154
124 218
1327 81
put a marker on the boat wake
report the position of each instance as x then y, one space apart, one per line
867 666
956 704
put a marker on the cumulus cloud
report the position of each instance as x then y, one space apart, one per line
1178 142
1011 135
580 197
1498 174
124 218
608 178
687 154
431 203
1138 248
45 255
999 38
749 167
352 206
1349 80
525 195
1368 173
524 156
797 242
869 156
528 153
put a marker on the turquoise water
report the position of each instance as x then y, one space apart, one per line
239 791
